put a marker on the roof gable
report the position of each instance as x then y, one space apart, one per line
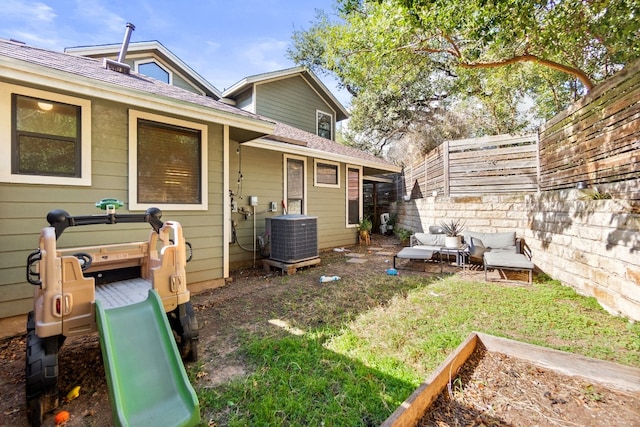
311 79
153 49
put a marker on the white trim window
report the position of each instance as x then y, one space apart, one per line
295 184
326 173
153 69
46 137
324 124
167 163
354 195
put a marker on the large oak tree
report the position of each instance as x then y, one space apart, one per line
411 64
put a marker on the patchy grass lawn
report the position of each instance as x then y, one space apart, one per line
348 353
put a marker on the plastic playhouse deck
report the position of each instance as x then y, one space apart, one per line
148 385
123 293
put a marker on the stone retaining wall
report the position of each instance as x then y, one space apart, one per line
591 245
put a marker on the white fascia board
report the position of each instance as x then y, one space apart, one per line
30 74
318 154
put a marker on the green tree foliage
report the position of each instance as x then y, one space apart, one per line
407 61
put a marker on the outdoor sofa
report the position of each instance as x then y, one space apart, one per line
499 250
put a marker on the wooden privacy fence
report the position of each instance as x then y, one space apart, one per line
597 139
493 164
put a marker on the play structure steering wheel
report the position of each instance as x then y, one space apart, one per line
85 260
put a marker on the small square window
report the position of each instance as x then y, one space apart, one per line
327 174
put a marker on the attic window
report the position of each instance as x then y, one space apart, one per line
325 124
154 70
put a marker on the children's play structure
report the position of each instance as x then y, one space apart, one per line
135 296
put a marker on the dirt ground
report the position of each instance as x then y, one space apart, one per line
497 390
244 305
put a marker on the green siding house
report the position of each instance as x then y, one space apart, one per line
78 129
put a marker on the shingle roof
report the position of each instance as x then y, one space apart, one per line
94 69
286 133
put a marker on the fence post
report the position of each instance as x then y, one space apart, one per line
426 182
538 160
445 161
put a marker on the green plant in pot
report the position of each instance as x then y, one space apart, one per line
393 218
364 226
403 234
453 232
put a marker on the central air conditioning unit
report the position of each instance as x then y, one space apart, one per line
293 237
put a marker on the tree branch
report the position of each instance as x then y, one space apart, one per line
527 57
581 75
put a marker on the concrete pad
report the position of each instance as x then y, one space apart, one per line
355 255
357 260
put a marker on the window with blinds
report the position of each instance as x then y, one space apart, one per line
295 185
169 159
353 196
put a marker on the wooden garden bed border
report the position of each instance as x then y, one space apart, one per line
612 375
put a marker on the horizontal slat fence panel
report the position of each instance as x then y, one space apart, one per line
494 164
597 139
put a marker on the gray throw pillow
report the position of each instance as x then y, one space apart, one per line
476 248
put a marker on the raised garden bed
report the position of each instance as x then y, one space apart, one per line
494 381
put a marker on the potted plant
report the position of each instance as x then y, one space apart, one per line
393 218
452 229
403 234
364 228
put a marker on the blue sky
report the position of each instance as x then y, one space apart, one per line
223 40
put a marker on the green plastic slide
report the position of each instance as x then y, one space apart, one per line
148 385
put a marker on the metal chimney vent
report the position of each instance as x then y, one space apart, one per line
125 42
119 66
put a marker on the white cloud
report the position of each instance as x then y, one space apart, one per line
266 55
94 10
37 11
212 46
